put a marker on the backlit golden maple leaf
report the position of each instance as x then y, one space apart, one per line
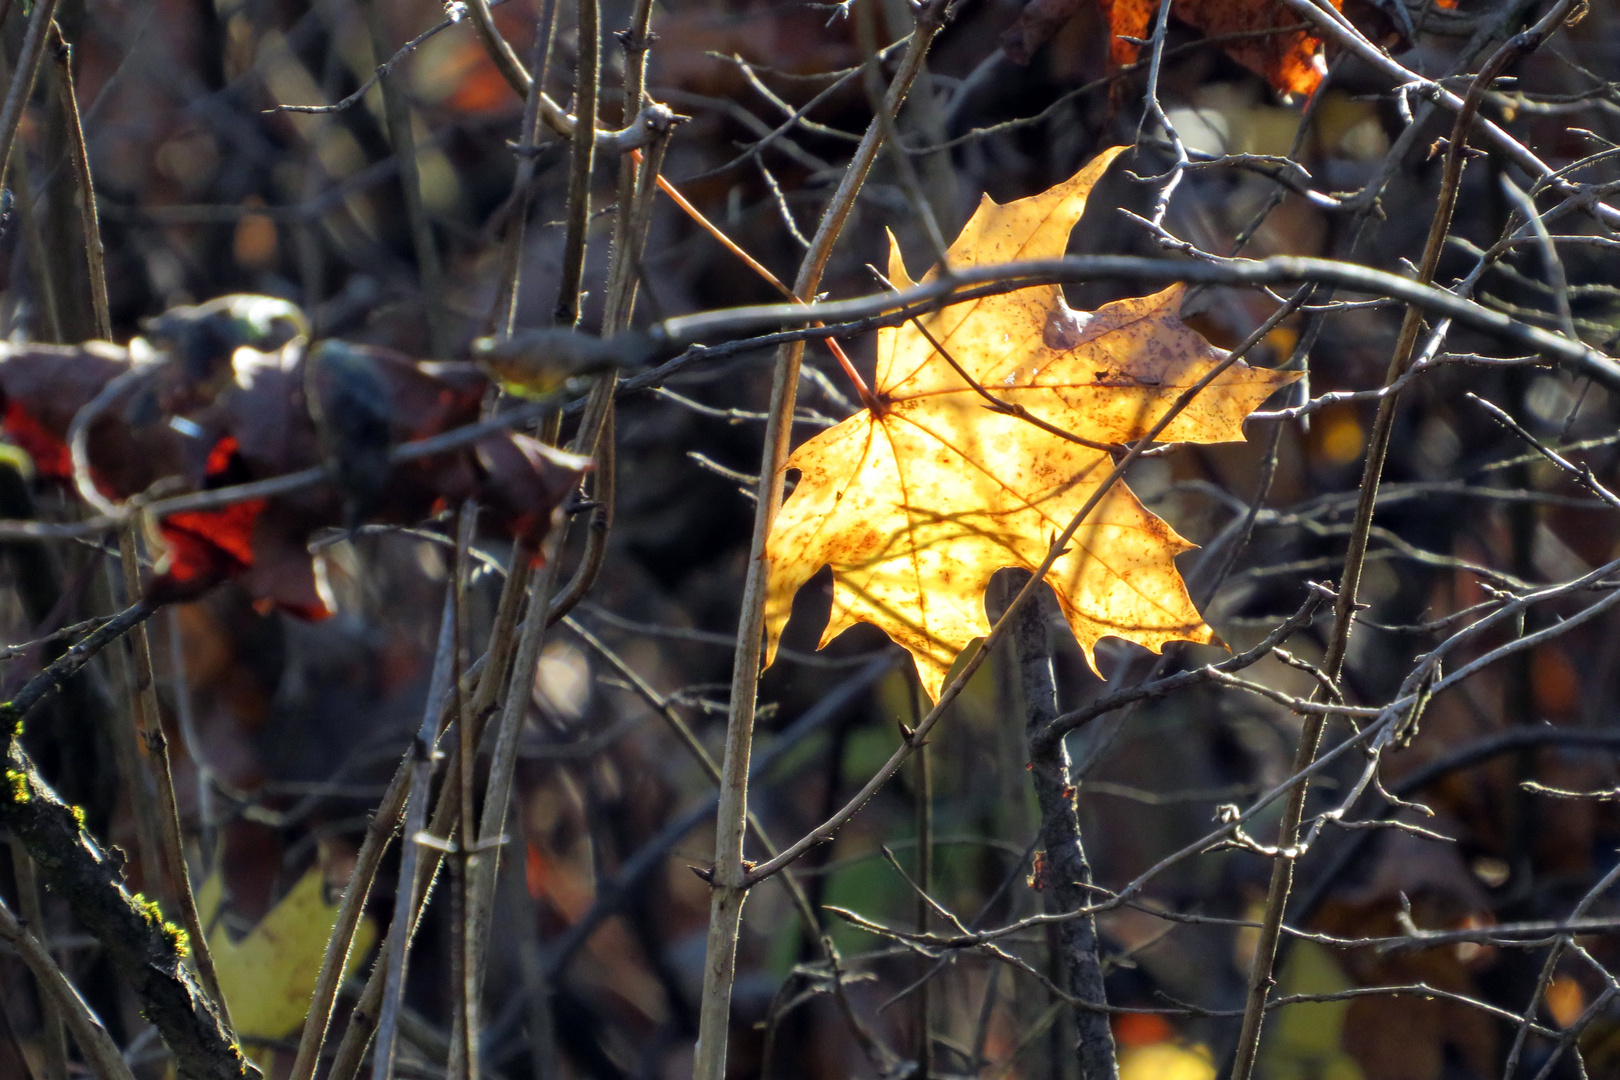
917 504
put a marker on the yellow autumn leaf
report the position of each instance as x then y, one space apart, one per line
268 977
1166 1061
916 504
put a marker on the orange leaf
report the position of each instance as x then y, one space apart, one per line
1141 1029
917 505
1566 1001
1282 51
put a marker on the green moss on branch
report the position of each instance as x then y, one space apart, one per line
148 951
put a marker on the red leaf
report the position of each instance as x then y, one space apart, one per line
51 455
211 544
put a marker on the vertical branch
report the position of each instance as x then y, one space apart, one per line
363 1021
525 917
622 275
1062 872
22 80
206 780
725 909
19 180
79 155
18 91
924 116
582 160
596 425
924 817
133 776
1288 829
348 918
397 947
55 1040
504 316
464 971
171 839
637 188
485 863
398 113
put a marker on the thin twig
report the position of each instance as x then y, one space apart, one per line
466 975
503 316
846 317
485 862
397 948
85 194
582 152
350 909
397 113
351 1049
22 80
52 679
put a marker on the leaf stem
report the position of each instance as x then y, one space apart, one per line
865 392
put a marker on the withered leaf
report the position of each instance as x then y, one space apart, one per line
1276 45
917 504
225 400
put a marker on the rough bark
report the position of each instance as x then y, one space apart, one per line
1062 872
147 952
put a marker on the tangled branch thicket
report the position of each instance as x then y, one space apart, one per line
363 716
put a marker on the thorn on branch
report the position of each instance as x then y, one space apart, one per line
579 506
633 43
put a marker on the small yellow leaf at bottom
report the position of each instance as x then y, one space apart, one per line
1166 1061
268 977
